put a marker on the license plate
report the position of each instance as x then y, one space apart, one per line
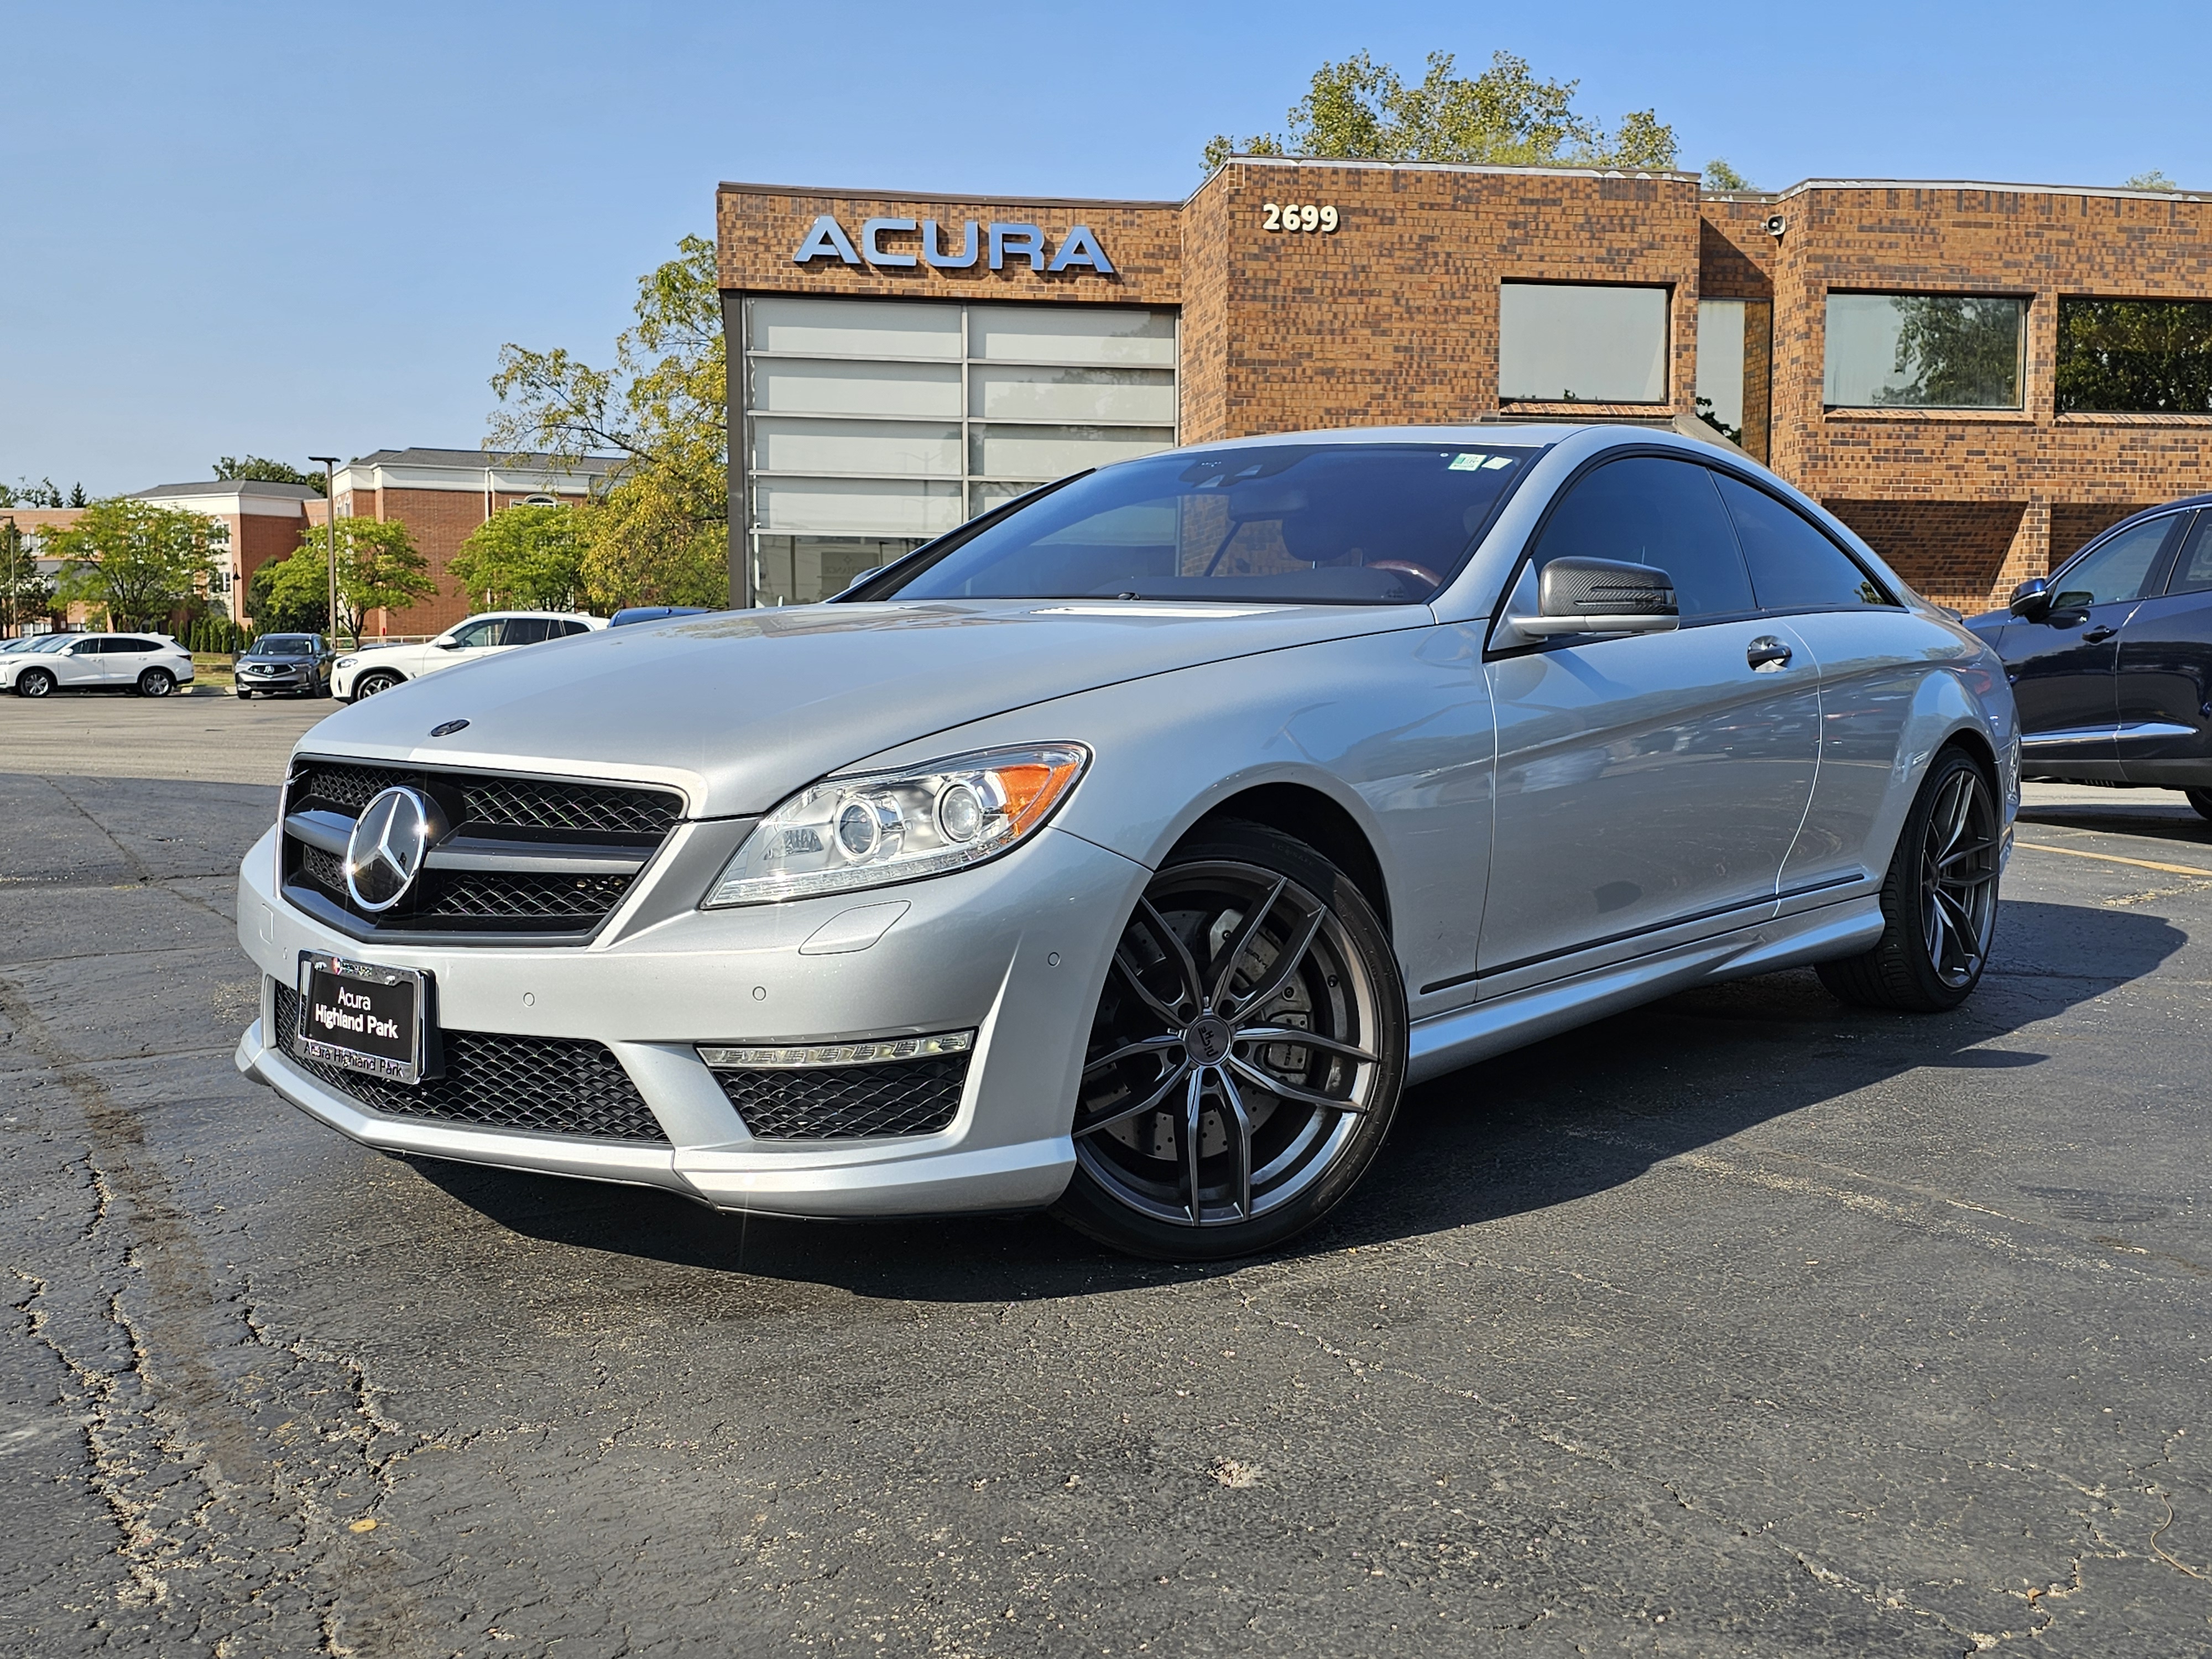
362 1016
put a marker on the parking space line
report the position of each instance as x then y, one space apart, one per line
2113 858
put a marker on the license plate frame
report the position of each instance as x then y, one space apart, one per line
378 989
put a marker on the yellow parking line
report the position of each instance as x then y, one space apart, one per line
2108 857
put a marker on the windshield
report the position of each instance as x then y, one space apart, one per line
284 644
1286 524
54 642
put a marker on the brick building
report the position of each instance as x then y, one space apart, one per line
1925 358
264 520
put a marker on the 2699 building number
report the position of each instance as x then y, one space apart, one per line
1299 216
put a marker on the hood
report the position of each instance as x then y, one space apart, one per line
741 708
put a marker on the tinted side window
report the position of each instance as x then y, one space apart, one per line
471 636
1648 510
2192 571
2114 571
1793 565
569 627
525 630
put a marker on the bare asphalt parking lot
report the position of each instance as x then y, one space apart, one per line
1743 1325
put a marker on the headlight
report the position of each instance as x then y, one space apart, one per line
345 662
863 832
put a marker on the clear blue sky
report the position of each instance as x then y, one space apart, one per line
280 230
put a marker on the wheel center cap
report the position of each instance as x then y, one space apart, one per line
1208 1040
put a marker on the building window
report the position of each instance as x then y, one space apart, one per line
873 425
1579 343
1924 351
2135 357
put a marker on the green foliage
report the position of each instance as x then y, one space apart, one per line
1361 109
136 560
380 568
2135 357
1962 353
659 533
1707 413
24 493
529 559
25 594
76 495
1719 175
2154 179
217 633
298 613
261 470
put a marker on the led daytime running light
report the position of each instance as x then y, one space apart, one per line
839 1054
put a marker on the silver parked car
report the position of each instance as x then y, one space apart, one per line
1130 849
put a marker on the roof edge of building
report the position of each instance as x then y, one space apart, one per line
1517 169
2008 188
840 192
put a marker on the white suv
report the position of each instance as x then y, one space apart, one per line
365 673
152 664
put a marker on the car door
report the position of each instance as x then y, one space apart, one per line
1649 786
84 663
124 657
2163 712
472 640
1863 645
2064 666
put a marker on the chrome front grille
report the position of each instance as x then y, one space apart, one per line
544 859
545 1086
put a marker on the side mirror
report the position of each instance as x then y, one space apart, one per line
447 644
1602 596
2031 600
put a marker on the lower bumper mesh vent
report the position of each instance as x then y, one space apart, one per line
543 1086
847 1102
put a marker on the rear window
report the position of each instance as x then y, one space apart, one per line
1287 523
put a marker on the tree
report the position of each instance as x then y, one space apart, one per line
2135 357
2154 179
1719 175
136 560
261 470
299 612
531 557
658 533
1961 352
26 493
76 495
24 593
1360 109
380 568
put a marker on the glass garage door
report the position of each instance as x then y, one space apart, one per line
873 425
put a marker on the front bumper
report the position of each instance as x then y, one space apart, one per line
1016 950
292 679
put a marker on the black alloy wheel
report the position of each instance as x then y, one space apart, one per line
33 683
1247 1054
1939 903
2202 800
369 684
156 683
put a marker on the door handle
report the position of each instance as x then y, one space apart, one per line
1766 654
2099 634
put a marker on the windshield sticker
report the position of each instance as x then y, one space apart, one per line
1478 462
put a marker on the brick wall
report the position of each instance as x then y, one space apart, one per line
439 520
1394 318
1950 552
2057 470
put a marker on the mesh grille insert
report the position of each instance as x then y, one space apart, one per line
847 1103
488 800
547 1085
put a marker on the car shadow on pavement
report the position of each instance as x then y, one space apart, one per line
1541 1126
2156 820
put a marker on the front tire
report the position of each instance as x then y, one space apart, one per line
2202 800
1939 901
369 685
1247 1054
156 683
33 683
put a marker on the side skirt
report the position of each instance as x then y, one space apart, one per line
1444 1042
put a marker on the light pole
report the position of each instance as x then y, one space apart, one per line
330 518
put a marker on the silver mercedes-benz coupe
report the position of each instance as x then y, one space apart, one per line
1130 849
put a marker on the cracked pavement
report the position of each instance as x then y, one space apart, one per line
1744 1324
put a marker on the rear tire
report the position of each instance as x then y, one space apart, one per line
156 683
33 683
2202 800
369 684
1197 1137
1939 901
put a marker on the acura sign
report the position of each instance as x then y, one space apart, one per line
1001 241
